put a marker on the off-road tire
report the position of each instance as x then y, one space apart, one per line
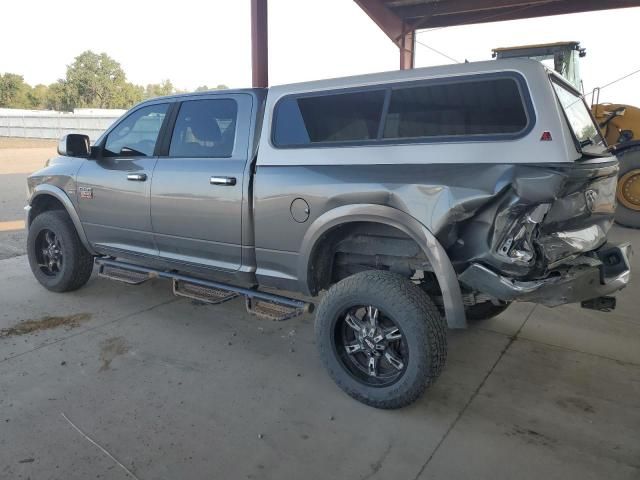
77 261
484 311
629 160
413 312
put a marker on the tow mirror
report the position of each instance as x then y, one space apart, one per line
74 145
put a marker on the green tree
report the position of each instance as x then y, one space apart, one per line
95 80
58 97
128 95
13 91
204 88
38 96
159 89
92 81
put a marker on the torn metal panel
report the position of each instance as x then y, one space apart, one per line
560 245
547 215
586 279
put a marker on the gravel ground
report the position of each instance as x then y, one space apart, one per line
18 158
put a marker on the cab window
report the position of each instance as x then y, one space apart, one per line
137 134
205 128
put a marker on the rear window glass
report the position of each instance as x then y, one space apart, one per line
456 109
343 117
204 128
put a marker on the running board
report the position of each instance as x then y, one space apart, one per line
262 304
269 310
123 275
204 294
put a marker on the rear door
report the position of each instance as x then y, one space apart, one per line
114 189
197 190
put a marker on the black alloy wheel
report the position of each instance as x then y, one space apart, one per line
371 346
48 251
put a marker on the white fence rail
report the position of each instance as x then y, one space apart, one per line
31 124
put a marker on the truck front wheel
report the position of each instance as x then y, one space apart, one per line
381 338
57 257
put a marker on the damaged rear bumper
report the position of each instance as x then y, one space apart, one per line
596 274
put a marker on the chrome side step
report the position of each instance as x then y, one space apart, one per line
262 304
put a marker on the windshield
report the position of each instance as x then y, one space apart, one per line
579 117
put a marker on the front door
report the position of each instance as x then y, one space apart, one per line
197 190
114 189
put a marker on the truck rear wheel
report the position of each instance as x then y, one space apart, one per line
628 192
57 257
381 338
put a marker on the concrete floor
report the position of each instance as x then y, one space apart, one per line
176 390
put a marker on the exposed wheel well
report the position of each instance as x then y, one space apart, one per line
44 203
357 246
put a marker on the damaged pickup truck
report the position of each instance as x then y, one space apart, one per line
408 201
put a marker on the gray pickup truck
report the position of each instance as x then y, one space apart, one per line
408 201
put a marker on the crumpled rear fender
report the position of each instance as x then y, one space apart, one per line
433 250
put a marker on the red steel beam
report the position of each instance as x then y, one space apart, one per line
407 47
259 44
394 27
449 7
464 12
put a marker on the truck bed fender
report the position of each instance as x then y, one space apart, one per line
63 198
435 253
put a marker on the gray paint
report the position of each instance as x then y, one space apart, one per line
197 221
59 194
118 214
460 201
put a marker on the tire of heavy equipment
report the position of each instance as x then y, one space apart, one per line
411 310
76 263
484 311
629 161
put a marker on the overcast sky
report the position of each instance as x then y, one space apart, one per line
194 43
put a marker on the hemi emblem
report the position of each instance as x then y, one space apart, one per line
86 192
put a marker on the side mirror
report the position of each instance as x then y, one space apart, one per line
74 145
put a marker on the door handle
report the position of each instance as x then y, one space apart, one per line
222 180
137 177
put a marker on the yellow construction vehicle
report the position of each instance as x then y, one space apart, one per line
620 124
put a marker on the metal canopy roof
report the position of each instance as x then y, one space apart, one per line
399 19
444 13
